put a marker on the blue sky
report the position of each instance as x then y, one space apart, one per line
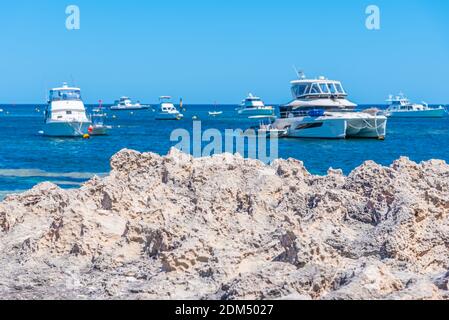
206 51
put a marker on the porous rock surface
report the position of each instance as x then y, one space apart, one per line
225 227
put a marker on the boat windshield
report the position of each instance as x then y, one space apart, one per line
318 88
65 95
301 89
339 88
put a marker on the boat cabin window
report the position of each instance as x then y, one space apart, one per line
315 89
324 88
68 112
318 89
301 89
65 95
339 88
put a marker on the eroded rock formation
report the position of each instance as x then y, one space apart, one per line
230 228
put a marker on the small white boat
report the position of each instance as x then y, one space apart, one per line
98 127
320 109
65 115
167 110
254 106
215 113
126 104
401 107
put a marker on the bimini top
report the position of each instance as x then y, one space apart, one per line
317 88
164 98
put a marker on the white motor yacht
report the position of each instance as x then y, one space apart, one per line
254 106
125 104
167 110
401 107
65 115
320 109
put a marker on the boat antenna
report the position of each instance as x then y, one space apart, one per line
300 74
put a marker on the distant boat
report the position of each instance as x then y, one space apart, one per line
254 106
215 113
401 107
167 110
98 128
126 104
65 115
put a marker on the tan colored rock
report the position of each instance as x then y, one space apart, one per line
225 227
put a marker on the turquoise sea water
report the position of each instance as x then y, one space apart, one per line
26 158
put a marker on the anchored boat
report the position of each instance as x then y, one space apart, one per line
126 104
167 110
401 107
65 115
320 109
254 106
98 127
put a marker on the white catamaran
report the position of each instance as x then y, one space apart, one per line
320 109
65 115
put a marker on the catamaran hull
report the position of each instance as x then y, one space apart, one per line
334 127
66 129
433 113
372 128
313 128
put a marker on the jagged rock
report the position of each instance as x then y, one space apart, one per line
226 227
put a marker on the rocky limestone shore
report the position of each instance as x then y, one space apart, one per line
225 227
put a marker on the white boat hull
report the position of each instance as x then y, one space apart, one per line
129 108
367 128
431 113
100 130
169 116
255 112
314 128
66 129
335 126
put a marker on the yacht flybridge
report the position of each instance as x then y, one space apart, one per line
320 109
126 103
253 106
401 107
66 115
